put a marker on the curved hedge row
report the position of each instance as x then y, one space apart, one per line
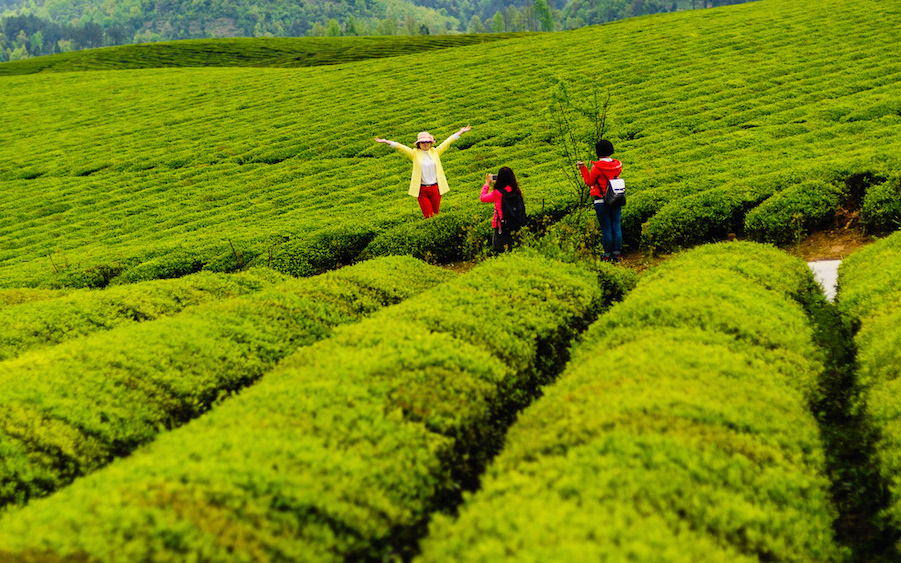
73 408
680 430
881 209
698 218
12 297
442 238
789 215
51 321
869 297
310 255
343 451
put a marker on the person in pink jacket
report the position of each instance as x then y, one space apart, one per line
506 180
428 182
610 220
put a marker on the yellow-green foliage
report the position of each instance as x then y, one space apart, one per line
711 112
794 212
881 211
870 279
49 321
244 52
869 295
680 431
69 409
9 297
343 451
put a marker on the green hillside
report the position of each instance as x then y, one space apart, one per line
219 400
242 52
712 113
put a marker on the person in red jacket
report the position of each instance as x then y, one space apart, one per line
606 168
506 180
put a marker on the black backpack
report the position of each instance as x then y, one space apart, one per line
513 210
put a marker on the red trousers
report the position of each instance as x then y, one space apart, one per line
429 200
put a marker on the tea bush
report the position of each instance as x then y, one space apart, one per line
320 252
68 410
869 296
50 320
679 431
9 297
881 209
346 448
442 239
695 219
173 264
794 212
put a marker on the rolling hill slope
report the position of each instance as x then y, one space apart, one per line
241 52
758 119
160 172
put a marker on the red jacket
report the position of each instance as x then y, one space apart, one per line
601 171
494 196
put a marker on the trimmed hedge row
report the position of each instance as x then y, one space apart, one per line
869 280
703 217
881 209
73 408
869 297
321 252
680 430
443 238
575 238
789 215
51 321
343 451
12 297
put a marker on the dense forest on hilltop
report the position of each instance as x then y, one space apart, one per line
29 28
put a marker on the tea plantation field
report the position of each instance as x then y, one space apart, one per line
153 173
229 334
258 52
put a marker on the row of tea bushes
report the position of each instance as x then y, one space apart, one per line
279 52
241 167
50 321
698 218
881 208
789 215
779 209
680 430
869 297
67 410
18 296
345 449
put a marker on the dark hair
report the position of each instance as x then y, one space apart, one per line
603 148
506 177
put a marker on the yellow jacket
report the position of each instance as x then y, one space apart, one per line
435 154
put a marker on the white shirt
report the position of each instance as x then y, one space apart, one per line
429 173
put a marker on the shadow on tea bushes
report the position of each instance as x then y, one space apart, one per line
446 237
869 298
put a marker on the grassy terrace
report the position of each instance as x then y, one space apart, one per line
711 112
282 52
759 120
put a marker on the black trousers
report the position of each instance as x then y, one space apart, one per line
501 241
